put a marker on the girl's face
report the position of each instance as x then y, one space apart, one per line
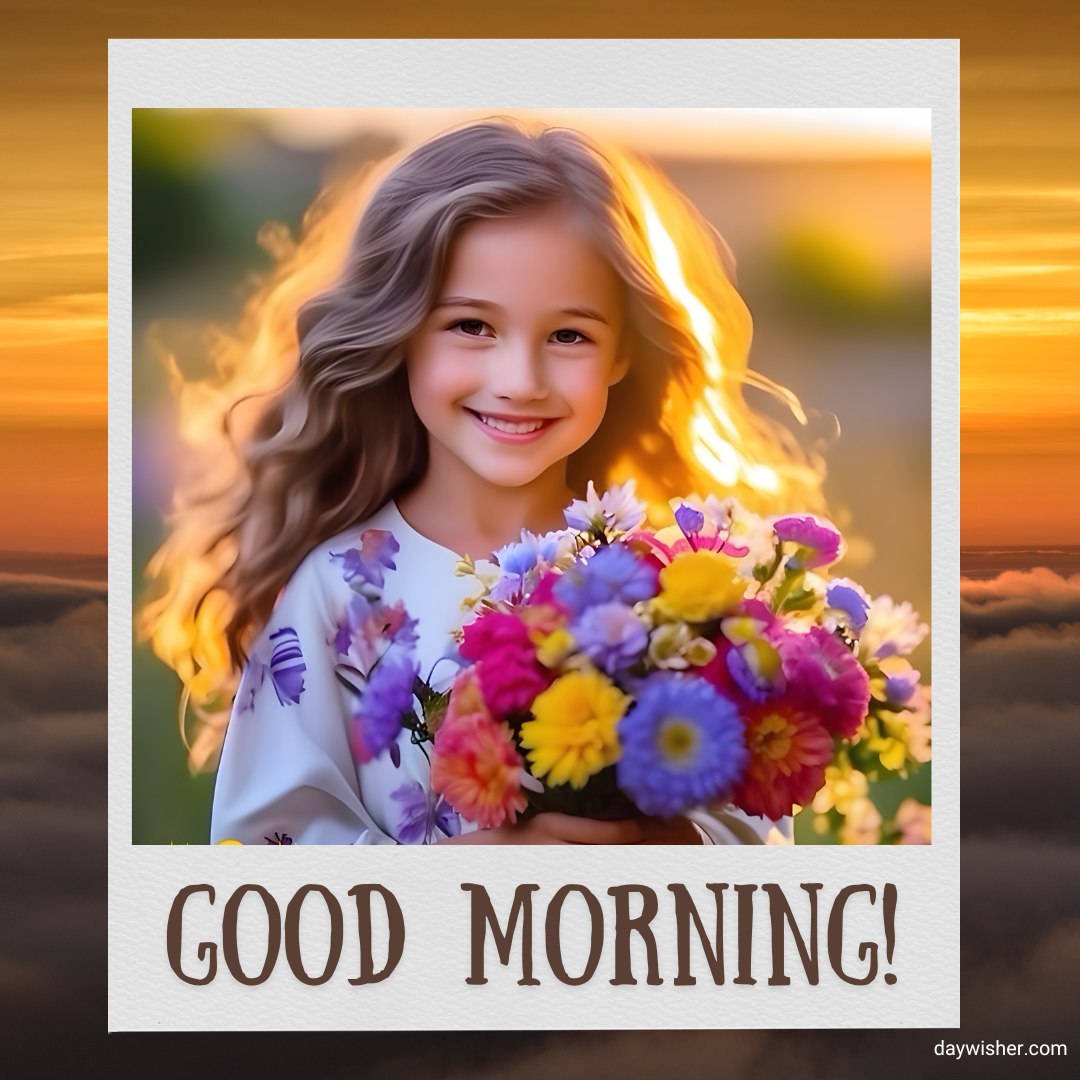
510 371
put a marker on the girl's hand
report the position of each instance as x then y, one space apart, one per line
555 828
676 830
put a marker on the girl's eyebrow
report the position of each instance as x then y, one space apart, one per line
467 301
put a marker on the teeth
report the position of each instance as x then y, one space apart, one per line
512 428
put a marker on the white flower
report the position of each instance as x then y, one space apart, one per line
748 530
891 629
617 510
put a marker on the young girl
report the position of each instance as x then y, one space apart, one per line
500 333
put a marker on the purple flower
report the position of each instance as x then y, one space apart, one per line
900 688
688 519
614 573
821 541
422 812
366 563
387 698
844 595
682 745
287 666
611 636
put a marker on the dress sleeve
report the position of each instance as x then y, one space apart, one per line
731 826
286 773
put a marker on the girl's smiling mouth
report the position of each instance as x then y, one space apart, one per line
513 429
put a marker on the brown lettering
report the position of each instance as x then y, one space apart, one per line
395 944
685 911
174 932
482 915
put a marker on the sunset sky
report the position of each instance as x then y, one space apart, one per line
1020 241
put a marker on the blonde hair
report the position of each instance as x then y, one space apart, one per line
308 426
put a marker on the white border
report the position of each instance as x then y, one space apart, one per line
428 989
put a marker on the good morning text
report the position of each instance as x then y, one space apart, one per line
526 934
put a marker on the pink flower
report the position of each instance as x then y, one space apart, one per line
511 680
544 593
474 763
491 630
822 673
508 672
820 542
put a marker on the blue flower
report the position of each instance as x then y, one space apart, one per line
613 574
611 636
387 698
682 745
844 595
518 559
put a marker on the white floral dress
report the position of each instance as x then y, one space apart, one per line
287 773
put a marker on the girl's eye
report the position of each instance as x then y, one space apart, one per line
472 327
568 337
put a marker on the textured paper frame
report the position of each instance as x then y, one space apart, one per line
144 994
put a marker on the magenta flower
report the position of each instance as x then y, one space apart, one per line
822 541
822 673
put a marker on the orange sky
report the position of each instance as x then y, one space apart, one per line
1020 225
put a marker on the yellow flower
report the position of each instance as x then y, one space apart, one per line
843 785
698 586
552 649
572 735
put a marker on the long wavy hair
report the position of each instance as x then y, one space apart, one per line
307 426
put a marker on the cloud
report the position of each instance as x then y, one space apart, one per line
27 599
52 803
1017 760
1016 599
56 664
1034 664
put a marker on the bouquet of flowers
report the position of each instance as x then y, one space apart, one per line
612 670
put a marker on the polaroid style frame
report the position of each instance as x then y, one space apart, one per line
414 923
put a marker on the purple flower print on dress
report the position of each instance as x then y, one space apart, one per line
387 698
821 540
368 627
422 812
279 838
366 564
287 666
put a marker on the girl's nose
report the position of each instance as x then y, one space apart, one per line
517 373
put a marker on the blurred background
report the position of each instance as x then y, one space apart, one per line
826 211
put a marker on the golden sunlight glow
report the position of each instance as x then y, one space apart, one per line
725 439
